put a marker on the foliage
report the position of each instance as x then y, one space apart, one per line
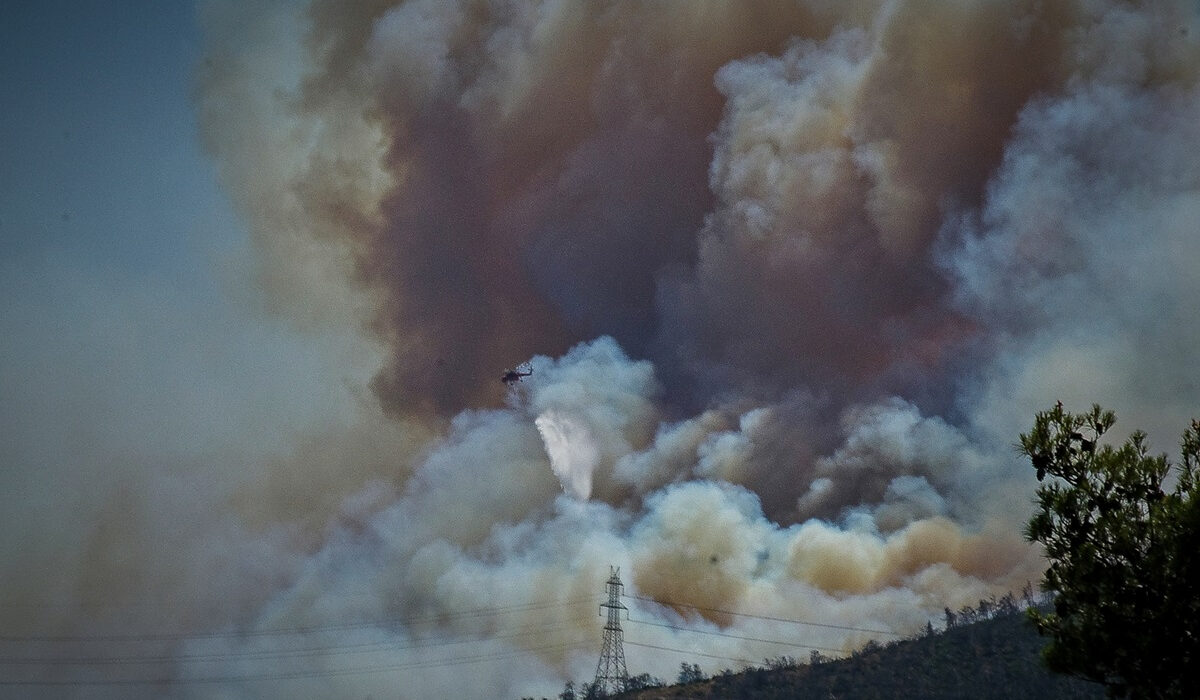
988 609
780 662
1122 555
990 660
870 647
690 673
642 681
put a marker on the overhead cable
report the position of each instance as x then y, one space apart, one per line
675 604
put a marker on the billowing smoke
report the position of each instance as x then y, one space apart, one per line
790 277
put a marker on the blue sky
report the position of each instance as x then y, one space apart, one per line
102 160
112 219
131 333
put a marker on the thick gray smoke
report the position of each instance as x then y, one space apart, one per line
791 277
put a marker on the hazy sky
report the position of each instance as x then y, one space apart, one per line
791 277
102 160
129 318
133 342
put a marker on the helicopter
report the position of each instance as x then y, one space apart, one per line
511 376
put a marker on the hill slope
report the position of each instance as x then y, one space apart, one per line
997 658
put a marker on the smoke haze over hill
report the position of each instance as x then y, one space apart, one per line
791 277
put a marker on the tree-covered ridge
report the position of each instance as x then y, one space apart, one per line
989 651
993 658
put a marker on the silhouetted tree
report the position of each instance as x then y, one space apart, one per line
643 681
1123 555
690 673
1027 594
967 615
779 662
1007 605
870 647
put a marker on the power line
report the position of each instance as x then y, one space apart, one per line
668 603
283 631
692 653
734 636
300 674
357 648
365 647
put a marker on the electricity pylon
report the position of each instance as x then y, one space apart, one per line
610 671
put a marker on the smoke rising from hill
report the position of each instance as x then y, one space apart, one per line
853 250
790 277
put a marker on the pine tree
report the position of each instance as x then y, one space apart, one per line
1122 553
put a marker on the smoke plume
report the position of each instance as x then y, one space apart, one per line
790 277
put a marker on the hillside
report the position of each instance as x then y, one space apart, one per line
995 658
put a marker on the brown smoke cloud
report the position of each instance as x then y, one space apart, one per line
790 277
833 165
547 163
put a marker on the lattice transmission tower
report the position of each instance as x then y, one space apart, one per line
611 674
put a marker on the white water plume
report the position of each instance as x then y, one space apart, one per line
572 451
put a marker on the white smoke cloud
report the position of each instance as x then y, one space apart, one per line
534 545
674 454
1079 256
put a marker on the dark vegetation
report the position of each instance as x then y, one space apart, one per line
989 651
1121 528
994 658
